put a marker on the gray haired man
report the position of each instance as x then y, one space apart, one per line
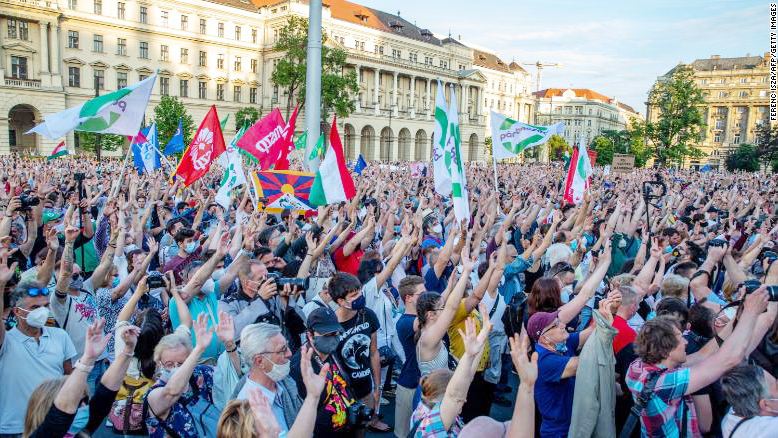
753 396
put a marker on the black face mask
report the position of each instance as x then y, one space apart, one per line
325 344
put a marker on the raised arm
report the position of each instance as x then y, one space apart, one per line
573 307
523 420
45 271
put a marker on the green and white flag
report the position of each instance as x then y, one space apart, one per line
313 158
458 176
120 112
300 143
441 161
510 138
232 162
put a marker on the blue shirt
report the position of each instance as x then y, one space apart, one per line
409 375
434 284
513 281
553 394
273 398
208 305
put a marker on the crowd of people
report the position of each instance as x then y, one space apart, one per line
133 306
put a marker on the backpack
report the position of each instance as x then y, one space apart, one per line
513 318
127 409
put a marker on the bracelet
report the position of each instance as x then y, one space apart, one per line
309 255
83 367
233 349
60 294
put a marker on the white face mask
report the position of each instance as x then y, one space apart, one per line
37 318
437 228
218 274
278 372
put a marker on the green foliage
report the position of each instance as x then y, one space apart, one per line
338 87
248 114
626 141
488 146
166 116
680 122
604 147
775 166
108 142
767 143
556 148
744 158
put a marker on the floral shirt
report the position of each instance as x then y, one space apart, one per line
110 311
431 425
180 418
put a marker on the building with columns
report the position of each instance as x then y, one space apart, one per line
737 100
220 52
585 113
508 88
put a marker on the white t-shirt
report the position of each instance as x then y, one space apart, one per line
756 427
496 318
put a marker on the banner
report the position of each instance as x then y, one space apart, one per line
510 138
441 160
623 163
207 145
232 163
260 140
284 190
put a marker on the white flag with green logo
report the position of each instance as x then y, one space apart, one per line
118 112
232 162
510 138
441 161
458 176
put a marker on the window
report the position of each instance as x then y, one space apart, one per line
121 46
183 88
413 57
237 33
99 7
184 22
236 66
99 79
568 110
578 110
379 50
202 90
703 81
762 93
220 61
359 45
236 93
221 30
24 30
202 25
143 77
253 95
254 36
184 56
744 94
427 60
11 28
164 53
143 15
98 44
121 80
144 50
743 81
18 67
396 53
275 35
120 8
219 91
203 59
736 138
722 81
254 65
588 123
717 138
722 94
74 77
275 93
164 86
72 4
72 39
443 64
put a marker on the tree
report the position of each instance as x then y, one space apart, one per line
604 147
677 129
767 142
166 116
247 114
744 158
338 87
108 142
556 148
626 141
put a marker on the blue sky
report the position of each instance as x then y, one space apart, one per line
617 48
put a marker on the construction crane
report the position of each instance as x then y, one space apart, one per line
539 66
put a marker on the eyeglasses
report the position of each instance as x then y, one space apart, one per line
553 325
281 351
34 292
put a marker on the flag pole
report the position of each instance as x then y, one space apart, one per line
494 166
124 167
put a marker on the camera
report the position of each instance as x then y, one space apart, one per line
155 280
717 243
752 285
79 176
28 201
302 283
358 415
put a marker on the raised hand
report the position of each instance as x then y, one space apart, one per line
264 420
225 329
203 333
526 367
129 335
224 244
268 289
472 340
314 383
95 342
52 242
7 272
756 302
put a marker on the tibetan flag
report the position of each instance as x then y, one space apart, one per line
120 112
578 175
207 145
287 145
333 181
176 143
360 166
284 190
60 151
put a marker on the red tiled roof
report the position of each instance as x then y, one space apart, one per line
341 10
579 92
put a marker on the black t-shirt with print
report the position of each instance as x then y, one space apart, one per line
354 351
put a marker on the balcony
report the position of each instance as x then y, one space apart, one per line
47 4
23 83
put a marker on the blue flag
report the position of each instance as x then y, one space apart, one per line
145 154
176 143
360 166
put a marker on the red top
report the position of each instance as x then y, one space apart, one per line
349 263
624 336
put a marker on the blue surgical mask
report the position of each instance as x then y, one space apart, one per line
573 245
190 247
560 347
115 283
359 303
82 418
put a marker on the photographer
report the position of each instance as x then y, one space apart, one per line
753 396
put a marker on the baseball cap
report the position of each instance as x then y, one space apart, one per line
324 321
51 215
538 322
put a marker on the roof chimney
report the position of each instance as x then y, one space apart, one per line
714 57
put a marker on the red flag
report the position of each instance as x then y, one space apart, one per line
260 140
288 143
207 144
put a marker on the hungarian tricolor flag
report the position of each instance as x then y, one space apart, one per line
288 144
207 144
333 181
578 175
60 151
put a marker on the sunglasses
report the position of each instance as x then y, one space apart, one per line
34 292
